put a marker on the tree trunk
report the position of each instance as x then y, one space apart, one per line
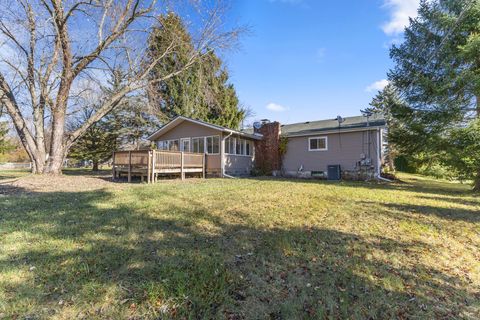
38 162
57 145
476 180
95 165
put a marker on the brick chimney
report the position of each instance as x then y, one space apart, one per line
267 153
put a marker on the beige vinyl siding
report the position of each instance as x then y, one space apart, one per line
188 129
233 164
344 149
238 165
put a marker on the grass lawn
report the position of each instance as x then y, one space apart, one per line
87 248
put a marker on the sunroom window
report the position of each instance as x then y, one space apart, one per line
213 144
198 145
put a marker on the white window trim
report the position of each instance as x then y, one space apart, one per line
167 143
204 143
189 144
206 146
316 138
252 147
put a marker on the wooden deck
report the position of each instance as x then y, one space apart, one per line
151 163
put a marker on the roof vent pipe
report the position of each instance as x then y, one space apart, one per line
367 113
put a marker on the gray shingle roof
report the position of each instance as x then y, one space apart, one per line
312 127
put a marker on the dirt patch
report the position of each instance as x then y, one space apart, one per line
65 183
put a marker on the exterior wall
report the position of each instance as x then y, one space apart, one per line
344 149
238 165
188 129
213 164
234 164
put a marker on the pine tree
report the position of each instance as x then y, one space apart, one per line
438 74
98 143
203 91
388 103
126 127
134 123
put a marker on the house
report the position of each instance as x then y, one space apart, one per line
353 143
308 149
227 151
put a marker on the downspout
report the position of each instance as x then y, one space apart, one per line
222 160
379 154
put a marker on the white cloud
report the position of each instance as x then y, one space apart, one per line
377 85
400 11
276 107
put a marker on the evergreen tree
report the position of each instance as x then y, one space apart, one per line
134 123
126 127
465 149
98 143
388 103
438 74
203 91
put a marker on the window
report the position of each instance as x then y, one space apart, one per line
227 145
242 147
248 148
173 145
213 144
317 144
232 146
185 145
162 145
198 145
237 148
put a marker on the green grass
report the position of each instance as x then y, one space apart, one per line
242 249
12 174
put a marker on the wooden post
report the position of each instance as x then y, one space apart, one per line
182 172
154 164
129 166
149 166
113 166
203 166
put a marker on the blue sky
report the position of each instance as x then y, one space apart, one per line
314 59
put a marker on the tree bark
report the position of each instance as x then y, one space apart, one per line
95 165
57 145
476 180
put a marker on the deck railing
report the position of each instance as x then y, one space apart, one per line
149 163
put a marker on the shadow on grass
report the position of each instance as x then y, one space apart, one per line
87 172
120 261
429 187
402 210
457 200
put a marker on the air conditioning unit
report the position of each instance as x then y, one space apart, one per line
333 172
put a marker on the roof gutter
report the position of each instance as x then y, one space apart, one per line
334 131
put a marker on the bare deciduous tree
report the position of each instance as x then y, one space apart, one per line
49 50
